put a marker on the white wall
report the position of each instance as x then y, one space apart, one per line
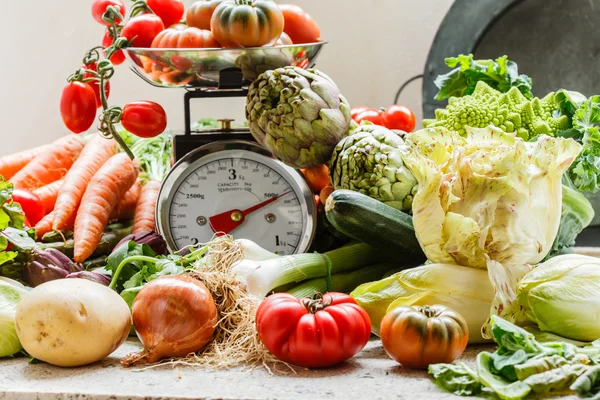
374 46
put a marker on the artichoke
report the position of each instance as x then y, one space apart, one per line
299 115
370 162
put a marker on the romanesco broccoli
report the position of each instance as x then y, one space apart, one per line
510 111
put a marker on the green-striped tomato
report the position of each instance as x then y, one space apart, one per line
247 23
419 336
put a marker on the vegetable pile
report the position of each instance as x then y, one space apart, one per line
432 239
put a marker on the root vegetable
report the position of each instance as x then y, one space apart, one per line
173 316
72 322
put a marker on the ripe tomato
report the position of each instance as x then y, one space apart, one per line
145 119
169 11
78 106
119 56
200 13
95 85
32 205
317 177
299 25
248 23
370 114
142 30
187 38
313 333
399 117
325 193
357 110
419 336
99 8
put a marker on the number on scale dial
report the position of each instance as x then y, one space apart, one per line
240 193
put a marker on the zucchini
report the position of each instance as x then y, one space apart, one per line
370 221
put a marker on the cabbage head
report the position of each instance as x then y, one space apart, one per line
11 293
487 196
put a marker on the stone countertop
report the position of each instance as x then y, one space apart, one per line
370 375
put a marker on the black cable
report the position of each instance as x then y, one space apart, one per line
404 85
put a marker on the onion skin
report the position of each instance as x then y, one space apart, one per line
173 316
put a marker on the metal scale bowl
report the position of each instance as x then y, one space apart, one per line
222 180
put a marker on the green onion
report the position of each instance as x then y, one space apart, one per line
344 282
262 276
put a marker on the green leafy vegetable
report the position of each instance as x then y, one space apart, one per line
456 378
522 365
11 293
12 221
500 74
555 379
588 384
585 117
154 155
577 213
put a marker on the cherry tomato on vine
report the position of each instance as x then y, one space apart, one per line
142 30
99 8
170 11
399 117
370 114
119 56
357 110
95 85
32 205
78 106
145 119
313 333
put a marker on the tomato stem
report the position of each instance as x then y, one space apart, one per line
316 303
138 7
428 311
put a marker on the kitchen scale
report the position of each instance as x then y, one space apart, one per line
222 180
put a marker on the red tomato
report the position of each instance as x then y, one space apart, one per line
357 110
145 119
181 63
370 114
300 27
32 205
188 38
78 106
399 117
99 8
313 333
95 85
170 11
119 56
144 28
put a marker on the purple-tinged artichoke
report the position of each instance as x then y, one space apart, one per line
152 239
91 276
48 265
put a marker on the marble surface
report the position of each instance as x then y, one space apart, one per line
370 375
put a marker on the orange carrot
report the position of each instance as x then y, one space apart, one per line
145 208
45 225
51 165
103 193
13 163
48 194
125 209
95 153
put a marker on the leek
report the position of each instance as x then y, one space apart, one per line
343 283
262 276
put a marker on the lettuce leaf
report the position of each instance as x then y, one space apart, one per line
501 74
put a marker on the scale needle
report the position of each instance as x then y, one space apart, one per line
229 220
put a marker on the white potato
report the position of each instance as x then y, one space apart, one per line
72 322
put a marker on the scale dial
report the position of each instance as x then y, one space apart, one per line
238 188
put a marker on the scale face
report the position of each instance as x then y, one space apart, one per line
237 188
